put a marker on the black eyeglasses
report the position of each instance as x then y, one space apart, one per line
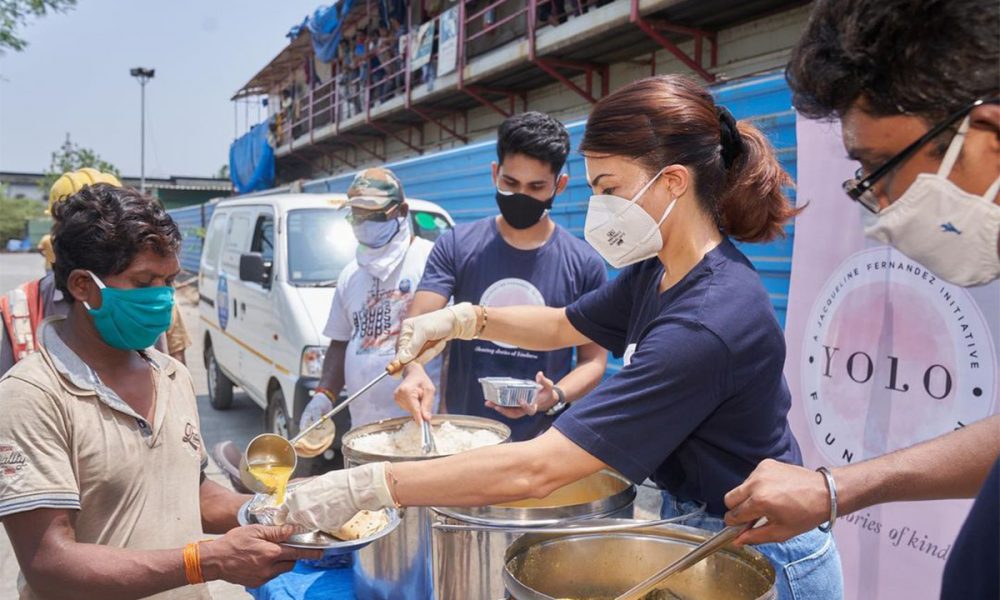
859 188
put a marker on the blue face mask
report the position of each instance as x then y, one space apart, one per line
376 234
132 319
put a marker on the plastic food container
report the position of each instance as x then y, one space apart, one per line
507 391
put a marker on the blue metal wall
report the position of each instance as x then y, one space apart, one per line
192 221
459 180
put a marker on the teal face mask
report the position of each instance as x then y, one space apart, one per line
132 319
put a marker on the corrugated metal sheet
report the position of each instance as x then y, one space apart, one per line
192 221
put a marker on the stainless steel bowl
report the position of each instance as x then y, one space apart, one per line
469 543
399 566
597 495
358 457
601 566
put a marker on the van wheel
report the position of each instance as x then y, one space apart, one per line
276 418
220 388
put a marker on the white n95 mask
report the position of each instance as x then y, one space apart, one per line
620 230
948 230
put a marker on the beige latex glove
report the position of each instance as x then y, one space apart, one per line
328 501
449 323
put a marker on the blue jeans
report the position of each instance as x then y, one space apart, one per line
807 567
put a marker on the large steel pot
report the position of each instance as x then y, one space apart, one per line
600 566
469 543
399 565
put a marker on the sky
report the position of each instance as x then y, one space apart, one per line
74 78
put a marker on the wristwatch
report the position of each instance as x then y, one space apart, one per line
560 405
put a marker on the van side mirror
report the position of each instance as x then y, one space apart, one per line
255 269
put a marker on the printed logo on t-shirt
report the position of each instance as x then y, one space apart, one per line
13 462
512 292
191 437
376 325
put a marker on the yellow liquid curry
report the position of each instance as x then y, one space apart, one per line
273 476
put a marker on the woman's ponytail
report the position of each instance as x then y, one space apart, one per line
753 206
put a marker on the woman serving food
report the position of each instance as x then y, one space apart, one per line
701 399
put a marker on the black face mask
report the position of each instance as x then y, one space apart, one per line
521 211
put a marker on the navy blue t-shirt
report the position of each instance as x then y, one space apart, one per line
973 567
473 263
702 398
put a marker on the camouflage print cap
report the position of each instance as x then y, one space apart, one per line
375 189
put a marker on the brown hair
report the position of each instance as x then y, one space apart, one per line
670 119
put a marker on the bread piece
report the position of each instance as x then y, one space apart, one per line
364 524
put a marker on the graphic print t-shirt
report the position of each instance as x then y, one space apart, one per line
367 314
473 263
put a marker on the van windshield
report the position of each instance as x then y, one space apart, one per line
320 244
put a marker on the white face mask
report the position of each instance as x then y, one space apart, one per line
380 262
948 230
620 230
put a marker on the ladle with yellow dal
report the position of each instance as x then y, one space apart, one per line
273 457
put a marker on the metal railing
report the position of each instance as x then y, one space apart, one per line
382 73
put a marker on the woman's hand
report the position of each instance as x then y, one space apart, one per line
544 400
326 502
424 337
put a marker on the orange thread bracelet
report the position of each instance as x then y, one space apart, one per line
192 563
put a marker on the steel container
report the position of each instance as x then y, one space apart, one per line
470 543
399 565
601 566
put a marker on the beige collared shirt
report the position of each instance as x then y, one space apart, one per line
68 441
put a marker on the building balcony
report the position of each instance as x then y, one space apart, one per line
494 53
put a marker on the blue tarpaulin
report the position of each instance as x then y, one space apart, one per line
306 582
325 25
251 160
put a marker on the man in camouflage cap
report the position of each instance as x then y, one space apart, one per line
373 295
374 292
375 189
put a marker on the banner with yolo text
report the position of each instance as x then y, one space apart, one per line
882 354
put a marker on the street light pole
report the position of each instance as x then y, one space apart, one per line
143 76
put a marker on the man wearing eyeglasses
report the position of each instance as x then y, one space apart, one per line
915 85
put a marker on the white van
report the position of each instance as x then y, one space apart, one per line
267 277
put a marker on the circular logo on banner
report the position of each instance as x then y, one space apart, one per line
222 302
892 356
512 292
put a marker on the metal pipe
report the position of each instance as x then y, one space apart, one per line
142 137
143 76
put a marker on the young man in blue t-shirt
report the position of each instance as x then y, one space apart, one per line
515 258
